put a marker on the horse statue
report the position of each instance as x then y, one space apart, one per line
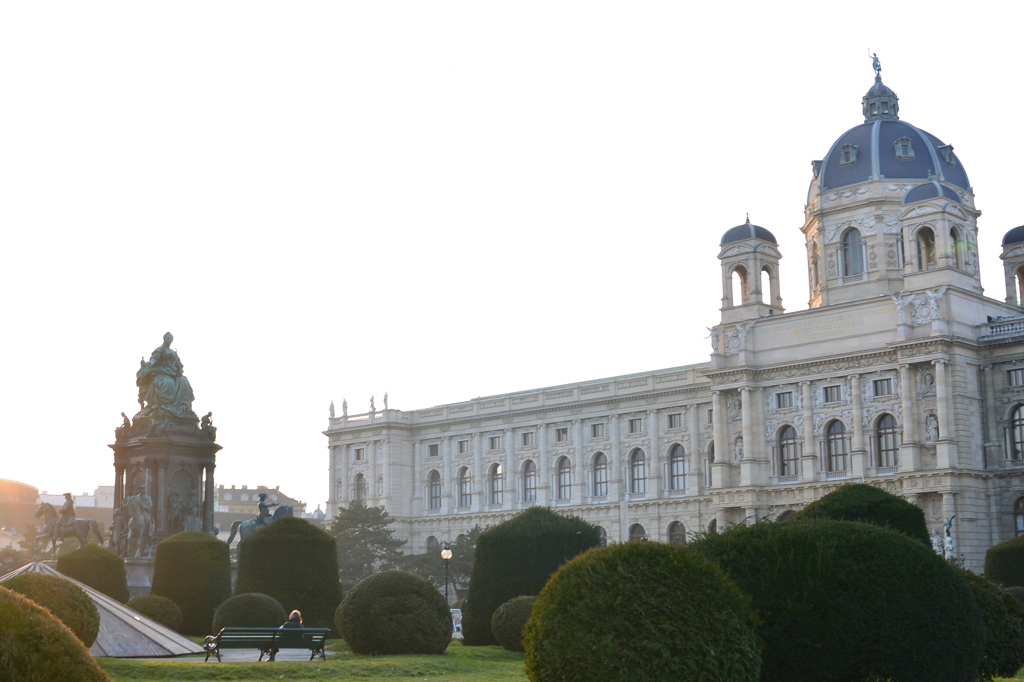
54 531
250 526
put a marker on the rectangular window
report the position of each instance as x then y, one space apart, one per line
636 425
711 416
528 438
675 421
1016 377
562 435
832 394
463 447
359 452
784 400
883 386
495 443
597 430
433 450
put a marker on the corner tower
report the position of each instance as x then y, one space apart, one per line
750 273
878 180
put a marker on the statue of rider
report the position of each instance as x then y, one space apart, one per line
66 518
264 511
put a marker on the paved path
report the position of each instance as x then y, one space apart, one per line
244 655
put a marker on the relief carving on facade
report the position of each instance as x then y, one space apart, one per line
736 338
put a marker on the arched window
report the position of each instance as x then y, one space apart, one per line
432 544
1017 426
958 247
435 489
788 455
887 440
600 475
1018 517
497 483
713 526
677 467
360 488
638 471
925 248
602 536
465 491
529 481
676 533
738 281
564 478
637 533
766 285
853 253
836 452
785 516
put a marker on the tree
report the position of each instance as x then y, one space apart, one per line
430 566
12 559
365 543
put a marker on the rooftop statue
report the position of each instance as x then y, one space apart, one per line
162 385
875 64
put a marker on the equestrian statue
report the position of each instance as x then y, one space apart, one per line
247 528
63 525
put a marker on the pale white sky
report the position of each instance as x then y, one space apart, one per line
442 200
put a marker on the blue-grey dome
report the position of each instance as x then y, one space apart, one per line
930 190
747 231
1014 236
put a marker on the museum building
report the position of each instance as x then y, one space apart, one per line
901 373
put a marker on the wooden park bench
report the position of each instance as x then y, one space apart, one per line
268 641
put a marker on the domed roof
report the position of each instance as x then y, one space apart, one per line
886 148
1014 236
747 231
930 190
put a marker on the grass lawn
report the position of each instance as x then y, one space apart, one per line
461 664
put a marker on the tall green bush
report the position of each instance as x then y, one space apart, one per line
508 622
193 570
844 601
868 504
249 610
394 613
517 557
65 600
1004 563
1004 627
99 569
36 647
296 563
642 611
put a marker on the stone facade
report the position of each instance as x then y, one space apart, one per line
900 373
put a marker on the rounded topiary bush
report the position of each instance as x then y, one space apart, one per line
1004 563
1016 592
296 563
99 569
394 613
517 557
843 601
641 611
508 622
36 647
160 609
193 570
251 610
1004 627
65 600
868 504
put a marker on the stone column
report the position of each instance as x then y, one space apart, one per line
161 497
341 490
480 491
385 473
579 487
332 474
118 484
719 467
994 455
617 487
747 421
809 464
657 476
945 447
510 499
544 495
208 500
858 456
447 492
910 453
694 477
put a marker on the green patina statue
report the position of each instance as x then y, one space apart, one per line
162 385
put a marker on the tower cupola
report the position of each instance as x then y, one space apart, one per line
880 103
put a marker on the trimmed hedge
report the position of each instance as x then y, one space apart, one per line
394 613
1004 627
642 611
160 609
868 504
845 601
296 563
36 647
508 622
517 557
99 569
1017 593
1004 563
250 610
193 570
65 600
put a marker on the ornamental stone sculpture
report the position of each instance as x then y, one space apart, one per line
162 385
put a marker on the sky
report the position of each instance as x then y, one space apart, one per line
441 200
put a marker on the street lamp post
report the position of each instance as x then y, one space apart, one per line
446 554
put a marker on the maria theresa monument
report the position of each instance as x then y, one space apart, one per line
900 373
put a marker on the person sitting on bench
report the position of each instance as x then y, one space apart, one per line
294 620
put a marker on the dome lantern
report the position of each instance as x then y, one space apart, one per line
880 103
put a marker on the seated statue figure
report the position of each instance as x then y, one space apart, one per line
161 383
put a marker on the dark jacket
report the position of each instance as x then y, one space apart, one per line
293 624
